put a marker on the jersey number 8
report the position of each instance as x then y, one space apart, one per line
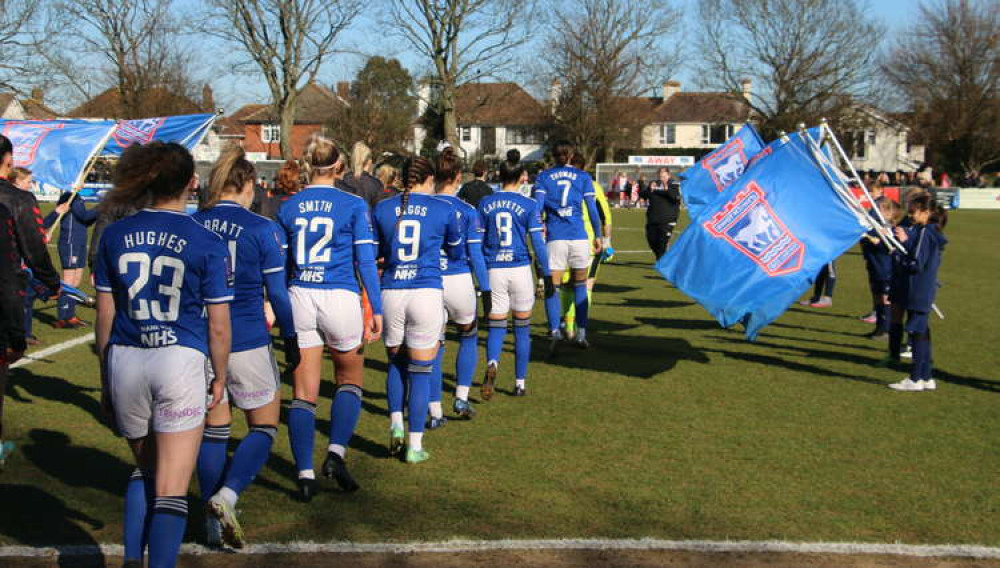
505 228
139 308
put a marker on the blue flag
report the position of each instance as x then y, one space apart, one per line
187 130
703 181
754 251
56 151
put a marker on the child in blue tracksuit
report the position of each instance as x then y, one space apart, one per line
72 254
878 262
914 286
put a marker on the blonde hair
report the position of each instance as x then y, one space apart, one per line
387 174
361 154
18 173
321 157
231 172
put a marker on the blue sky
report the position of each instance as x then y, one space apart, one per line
234 91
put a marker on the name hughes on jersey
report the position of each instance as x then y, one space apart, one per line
154 239
509 204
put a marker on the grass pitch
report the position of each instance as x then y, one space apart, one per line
668 427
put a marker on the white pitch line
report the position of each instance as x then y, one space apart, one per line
459 546
37 355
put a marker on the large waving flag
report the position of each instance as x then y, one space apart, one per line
703 181
187 130
754 251
56 151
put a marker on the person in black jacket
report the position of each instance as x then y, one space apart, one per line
29 233
360 180
664 197
474 191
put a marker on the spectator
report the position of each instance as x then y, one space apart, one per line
388 174
360 180
22 178
664 197
474 191
286 184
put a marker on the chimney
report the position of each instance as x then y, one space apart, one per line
38 95
344 89
670 88
747 88
555 93
207 98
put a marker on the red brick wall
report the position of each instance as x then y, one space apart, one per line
300 136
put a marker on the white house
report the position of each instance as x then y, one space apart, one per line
32 108
494 118
692 120
879 142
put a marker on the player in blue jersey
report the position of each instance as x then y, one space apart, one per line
256 249
164 284
511 220
459 291
562 192
331 247
412 229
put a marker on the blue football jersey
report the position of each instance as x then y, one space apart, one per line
560 191
162 268
322 225
472 230
412 245
508 217
256 247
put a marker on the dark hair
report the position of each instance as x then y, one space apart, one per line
415 172
510 173
321 154
5 146
448 166
513 155
926 202
287 182
479 168
231 172
563 152
147 174
577 161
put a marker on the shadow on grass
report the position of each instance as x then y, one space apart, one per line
56 389
600 288
52 452
673 323
773 361
633 356
33 517
824 312
649 303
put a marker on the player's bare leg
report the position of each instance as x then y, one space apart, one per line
344 413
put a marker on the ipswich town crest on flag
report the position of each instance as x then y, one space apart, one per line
703 182
758 247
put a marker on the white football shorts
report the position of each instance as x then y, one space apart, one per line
333 317
253 377
165 388
574 255
460 298
512 289
412 316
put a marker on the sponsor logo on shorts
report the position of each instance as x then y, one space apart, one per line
171 414
252 395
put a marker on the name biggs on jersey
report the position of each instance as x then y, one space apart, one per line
154 238
418 210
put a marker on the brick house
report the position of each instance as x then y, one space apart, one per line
258 128
691 120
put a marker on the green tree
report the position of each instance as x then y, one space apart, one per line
380 107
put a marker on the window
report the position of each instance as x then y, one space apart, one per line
857 141
466 133
522 135
716 133
270 133
668 134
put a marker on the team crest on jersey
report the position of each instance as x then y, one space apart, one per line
748 223
138 131
26 139
726 164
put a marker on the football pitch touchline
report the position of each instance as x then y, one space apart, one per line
58 347
460 546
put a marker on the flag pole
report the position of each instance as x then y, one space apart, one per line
78 183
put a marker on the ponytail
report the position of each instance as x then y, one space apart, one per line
448 167
321 157
231 173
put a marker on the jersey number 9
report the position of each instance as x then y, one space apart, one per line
409 237
139 308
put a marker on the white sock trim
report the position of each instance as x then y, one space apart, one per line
462 393
337 449
229 496
436 410
307 474
416 441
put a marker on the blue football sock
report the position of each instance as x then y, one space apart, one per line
212 459
468 356
522 347
64 307
302 432
494 339
395 389
553 311
418 374
580 294
249 457
166 531
71 307
895 340
136 516
437 377
344 414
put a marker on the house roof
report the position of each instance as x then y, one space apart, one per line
158 101
36 110
5 100
315 105
497 104
689 107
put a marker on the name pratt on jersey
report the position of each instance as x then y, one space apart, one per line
169 241
224 227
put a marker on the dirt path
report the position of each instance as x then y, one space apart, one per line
529 558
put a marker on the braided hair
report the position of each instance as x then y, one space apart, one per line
416 170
